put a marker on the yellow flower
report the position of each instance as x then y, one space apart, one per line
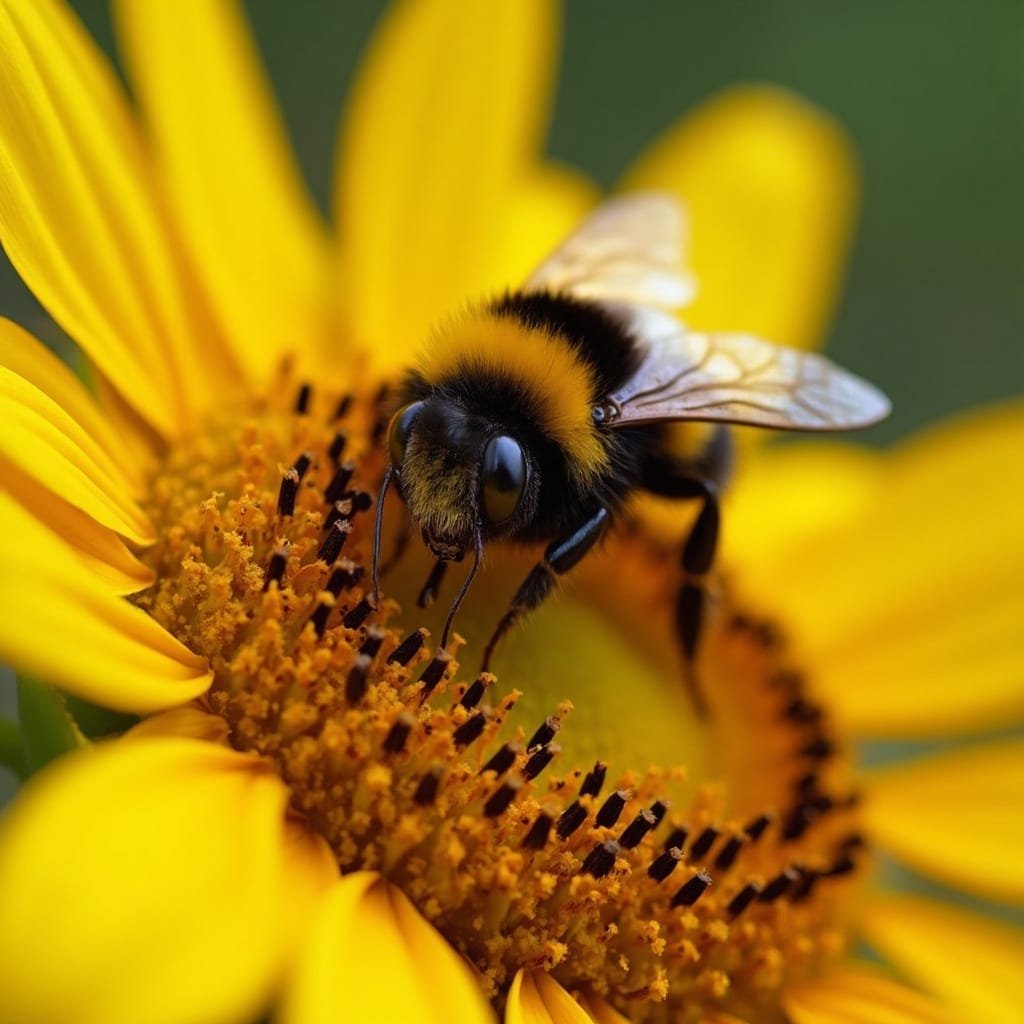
190 870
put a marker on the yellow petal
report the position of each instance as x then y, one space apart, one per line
856 994
99 549
908 613
536 998
957 816
31 359
45 443
224 156
446 117
970 961
185 723
143 885
771 188
602 1012
79 219
108 652
370 956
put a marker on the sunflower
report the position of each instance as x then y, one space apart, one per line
318 814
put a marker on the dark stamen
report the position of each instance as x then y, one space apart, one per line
594 780
703 842
601 859
803 711
339 482
342 408
475 691
356 681
348 574
302 401
503 759
501 798
408 648
729 852
676 839
275 569
545 733
427 788
798 821
612 808
756 828
302 464
470 730
779 884
843 866
321 613
339 510
372 644
539 760
802 890
570 819
692 890
428 594
337 447
394 742
664 864
743 899
637 829
333 542
361 500
288 492
659 809
820 748
537 837
356 616
434 673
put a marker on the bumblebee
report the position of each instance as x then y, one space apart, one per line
535 416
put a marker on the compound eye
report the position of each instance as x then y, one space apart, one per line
399 431
503 478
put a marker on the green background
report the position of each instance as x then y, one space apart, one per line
932 93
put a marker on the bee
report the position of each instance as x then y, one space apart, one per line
535 416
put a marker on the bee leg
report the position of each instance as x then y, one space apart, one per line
561 555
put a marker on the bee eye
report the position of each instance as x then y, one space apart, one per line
503 478
399 431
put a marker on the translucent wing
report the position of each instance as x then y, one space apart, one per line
628 251
737 378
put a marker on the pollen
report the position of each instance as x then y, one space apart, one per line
408 766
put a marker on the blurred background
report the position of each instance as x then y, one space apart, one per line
932 92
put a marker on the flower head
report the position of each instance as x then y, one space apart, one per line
322 810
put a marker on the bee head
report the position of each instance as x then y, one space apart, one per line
459 474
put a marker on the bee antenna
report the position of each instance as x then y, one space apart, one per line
378 528
463 590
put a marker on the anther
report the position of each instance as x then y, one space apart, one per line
345 576
302 464
398 734
302 400
408 648
845 865
475 691
691 890
342 408
275 569
337 446
321 613
743 899
503 759
372 644
470 730
427 787
729 852
428 594
820 748
545 733
539 760
356 616
798 821
499 800
333 542
537 837
434 673
756 828
779 884
703 843
601 859
659 809
676 839
801 710
339 510
339 482
612 808
664 864
361 500
356 681
570 819
594 780
804 885
288 492
634 832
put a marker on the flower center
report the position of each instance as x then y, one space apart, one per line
670 895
